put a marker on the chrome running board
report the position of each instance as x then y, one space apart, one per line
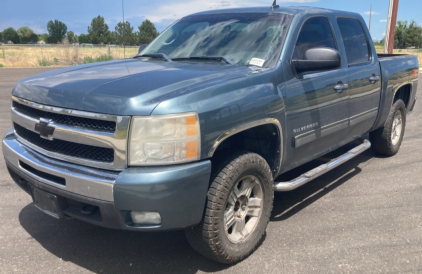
322 169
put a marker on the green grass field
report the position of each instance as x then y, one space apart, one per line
60 56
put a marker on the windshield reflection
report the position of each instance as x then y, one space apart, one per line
244 38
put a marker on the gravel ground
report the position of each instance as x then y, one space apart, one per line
363 217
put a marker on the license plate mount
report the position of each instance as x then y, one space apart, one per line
47 202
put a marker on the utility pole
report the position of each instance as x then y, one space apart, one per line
391 26
370 15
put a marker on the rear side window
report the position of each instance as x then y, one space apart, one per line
354 39
315 33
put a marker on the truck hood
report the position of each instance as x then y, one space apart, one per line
123 87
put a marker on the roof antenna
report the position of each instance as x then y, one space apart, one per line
274 5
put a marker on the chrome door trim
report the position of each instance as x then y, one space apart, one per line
326 130
363 116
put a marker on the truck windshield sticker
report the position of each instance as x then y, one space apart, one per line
257 62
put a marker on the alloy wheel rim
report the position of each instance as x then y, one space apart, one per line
397 128
243 209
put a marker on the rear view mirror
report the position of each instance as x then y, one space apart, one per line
142 47
318 59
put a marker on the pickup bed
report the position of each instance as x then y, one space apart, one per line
193 132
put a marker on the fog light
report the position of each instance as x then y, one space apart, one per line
145 218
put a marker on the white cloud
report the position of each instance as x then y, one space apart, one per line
368 12
175 11
383 20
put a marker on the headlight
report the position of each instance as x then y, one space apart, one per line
164 139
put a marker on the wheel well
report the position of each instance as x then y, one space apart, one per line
403 93
264 140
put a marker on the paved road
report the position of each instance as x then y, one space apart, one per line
364 217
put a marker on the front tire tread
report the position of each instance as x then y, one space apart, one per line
205 238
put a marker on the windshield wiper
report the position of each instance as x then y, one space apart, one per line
216 58
156 55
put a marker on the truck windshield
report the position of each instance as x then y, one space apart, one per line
242 38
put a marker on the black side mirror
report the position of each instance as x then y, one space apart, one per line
142 47
318 59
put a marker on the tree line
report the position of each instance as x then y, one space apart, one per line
98 33
407 35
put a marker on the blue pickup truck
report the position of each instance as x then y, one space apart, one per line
195 131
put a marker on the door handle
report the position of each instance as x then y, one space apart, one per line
374 79
340 87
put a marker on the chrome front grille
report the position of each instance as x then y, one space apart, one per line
101 154
90 139
73 121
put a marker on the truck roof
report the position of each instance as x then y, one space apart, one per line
286 10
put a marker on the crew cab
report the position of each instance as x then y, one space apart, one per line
194 132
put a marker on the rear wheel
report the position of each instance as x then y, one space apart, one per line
387 140
238 210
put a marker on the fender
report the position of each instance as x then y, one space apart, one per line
249 125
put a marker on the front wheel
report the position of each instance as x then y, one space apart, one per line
237 212
387 140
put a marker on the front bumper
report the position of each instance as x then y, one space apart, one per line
177 192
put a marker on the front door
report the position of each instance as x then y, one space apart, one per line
317 113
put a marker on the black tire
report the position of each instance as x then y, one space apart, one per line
381 139
211 238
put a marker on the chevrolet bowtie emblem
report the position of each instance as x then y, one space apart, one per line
44 129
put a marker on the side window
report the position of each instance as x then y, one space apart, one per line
315 33
354 39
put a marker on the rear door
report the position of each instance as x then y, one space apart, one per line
364 76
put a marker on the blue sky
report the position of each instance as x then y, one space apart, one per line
77 14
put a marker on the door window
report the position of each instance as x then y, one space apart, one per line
315 33
354 39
